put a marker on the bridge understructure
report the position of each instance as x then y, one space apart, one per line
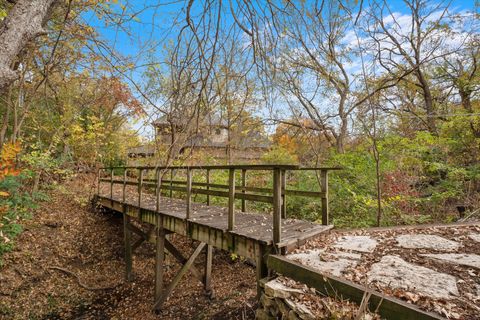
164 199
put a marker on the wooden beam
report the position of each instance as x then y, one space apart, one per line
231 199
99 179
180 258
208 271
127 234
189 193
178 277
244 185
171 184
208 186
111 185
159 257
388 307
140 187
124 187
158 190
261 266
284 198
277 206
324 182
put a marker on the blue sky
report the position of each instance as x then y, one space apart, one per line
150 31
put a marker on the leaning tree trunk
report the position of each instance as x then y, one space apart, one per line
24 22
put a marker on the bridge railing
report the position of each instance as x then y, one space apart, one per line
276 195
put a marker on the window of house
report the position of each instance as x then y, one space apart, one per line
218 131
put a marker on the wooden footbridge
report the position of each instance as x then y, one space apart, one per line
162 197
180 199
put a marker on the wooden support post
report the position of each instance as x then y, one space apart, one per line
261 266
324 182
284 196
111 186
231 199
178 277
208 186
208 271
171 183
98 182
244 185
277 206
189 192
127 234
124 185
158 190
159 257
140 187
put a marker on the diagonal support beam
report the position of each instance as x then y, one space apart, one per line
143 237
180 258
137 230
178 277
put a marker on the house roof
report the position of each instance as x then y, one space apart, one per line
251 140
212 120
143 150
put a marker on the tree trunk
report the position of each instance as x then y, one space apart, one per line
6 118
428 99
467 105
24 22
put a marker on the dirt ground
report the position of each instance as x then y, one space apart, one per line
68 264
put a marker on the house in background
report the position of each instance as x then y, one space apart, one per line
210 142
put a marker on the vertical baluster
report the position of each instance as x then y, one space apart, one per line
284 196
189 192
111 184
244 185
324 183
277 203
98 181
140 187
208 186
124 185
158 190
171 183
231 199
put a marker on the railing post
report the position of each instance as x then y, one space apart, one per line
324 183
231 199
277 205
244 185
189 192
158 190
98 181
111 184
140 187
171 183
284 196
124 185
208 186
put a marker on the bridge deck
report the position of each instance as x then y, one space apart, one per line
209 223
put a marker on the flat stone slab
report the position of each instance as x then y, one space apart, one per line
471 260
474 236
332 263
396 273
357 243
427 241
277 289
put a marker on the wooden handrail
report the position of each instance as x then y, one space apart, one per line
276 195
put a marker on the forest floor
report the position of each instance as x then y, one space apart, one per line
68 264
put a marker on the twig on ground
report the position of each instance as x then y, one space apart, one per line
80 283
